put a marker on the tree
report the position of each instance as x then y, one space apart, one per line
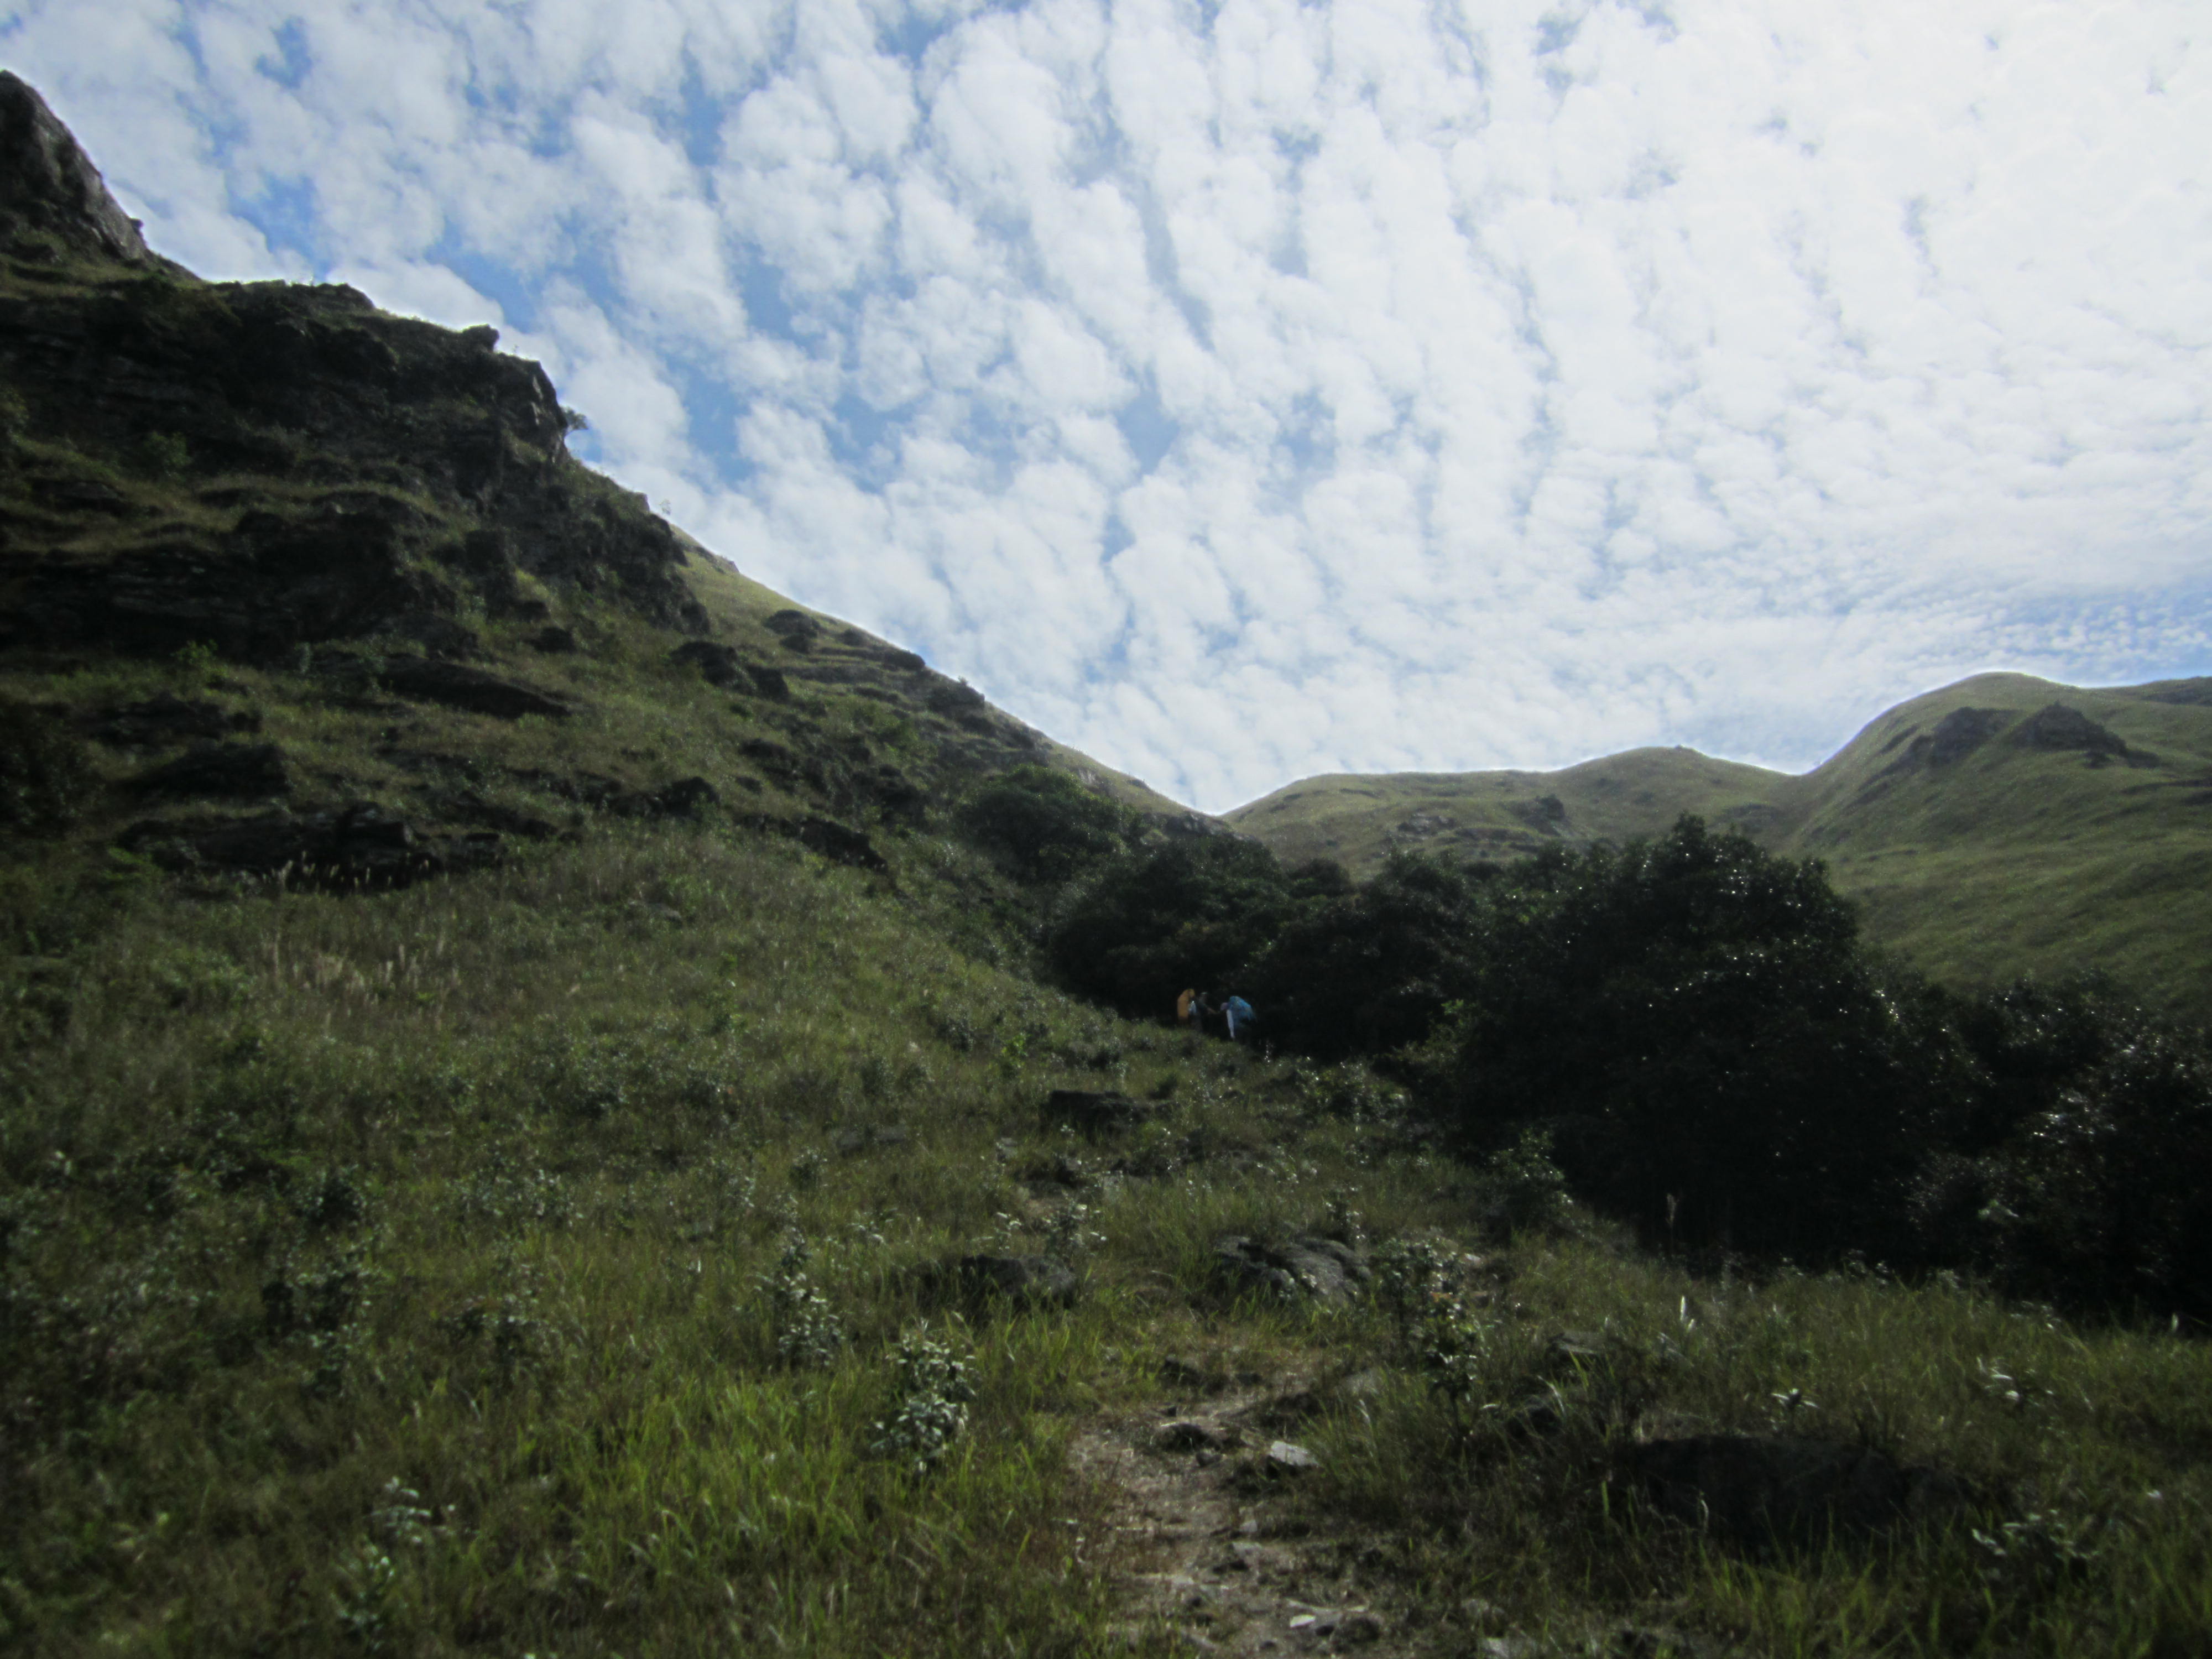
1371 969
1045 825
1694 1020
1150 924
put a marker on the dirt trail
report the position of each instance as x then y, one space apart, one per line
1207 1540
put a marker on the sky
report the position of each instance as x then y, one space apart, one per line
1240 390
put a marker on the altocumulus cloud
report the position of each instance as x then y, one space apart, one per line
1241 390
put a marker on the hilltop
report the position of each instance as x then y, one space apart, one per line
2001 826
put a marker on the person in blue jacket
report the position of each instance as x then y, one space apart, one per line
1238 1013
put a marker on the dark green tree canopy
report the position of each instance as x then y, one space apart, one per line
1191 914
1044 824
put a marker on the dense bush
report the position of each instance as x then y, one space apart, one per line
1717 1058
1366 970
2078 1173
1044 824
1192 913
1714 1055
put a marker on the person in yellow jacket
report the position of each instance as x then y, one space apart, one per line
1190 1011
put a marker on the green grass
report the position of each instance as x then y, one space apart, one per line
2009 862
2098 1438
522 1151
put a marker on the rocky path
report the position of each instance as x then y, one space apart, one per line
1208 1541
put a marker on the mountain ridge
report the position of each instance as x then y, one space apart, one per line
368 517
2000 825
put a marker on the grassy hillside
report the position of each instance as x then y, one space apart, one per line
520 1262
1359 820
1980 844
528 1126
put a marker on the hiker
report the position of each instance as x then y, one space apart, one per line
1186 1010
1238 1013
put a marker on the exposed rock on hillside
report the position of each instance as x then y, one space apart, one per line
382 516
165 718
2068 730
460 687
361 847
1956 736
234 771
258 465
48 185
1323 1268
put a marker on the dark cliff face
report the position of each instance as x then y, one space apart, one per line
258 465
47 184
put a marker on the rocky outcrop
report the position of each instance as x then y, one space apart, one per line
165 718
459 686
1324 1269
351 849
2058 727
718 665
1956 736
49 188
235 771
254 465
840 844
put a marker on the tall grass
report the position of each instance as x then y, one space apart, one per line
396 1273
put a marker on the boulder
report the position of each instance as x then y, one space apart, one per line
165 718
235 771
1755 1491
718 665
459 686
795 628
947 697
440 636
358 847
1324 1268
840 845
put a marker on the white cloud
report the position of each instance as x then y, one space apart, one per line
1303 387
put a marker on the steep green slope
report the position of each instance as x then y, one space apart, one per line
2002 826
299 589
1989 832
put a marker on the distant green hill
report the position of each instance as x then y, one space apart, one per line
2002 826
